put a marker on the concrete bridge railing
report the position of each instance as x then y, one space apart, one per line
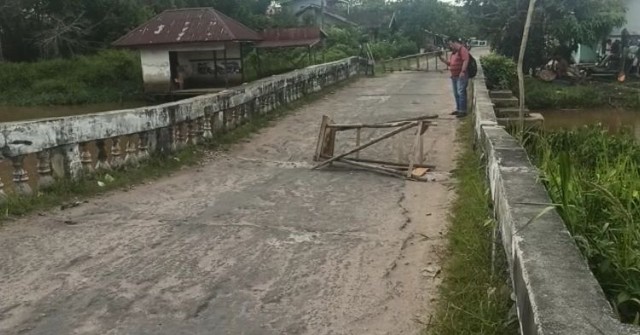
77 146
418 62
556 292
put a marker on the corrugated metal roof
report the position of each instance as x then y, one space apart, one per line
291 37
187 25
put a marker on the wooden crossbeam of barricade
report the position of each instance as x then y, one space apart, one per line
413 170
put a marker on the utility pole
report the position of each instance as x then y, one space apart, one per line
523 49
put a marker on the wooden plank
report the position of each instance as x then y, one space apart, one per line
358 141
366 145
321 137
412 158
419 172
401 165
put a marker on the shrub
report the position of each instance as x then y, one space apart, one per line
104 77
543 95
499 71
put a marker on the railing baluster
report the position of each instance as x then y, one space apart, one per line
131 156
20 177
103 162
86 159
116 154
45 177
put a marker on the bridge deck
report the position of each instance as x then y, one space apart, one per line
252 241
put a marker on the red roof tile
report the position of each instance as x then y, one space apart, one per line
188 25
290 37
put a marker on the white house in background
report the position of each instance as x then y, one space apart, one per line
190 48
589 54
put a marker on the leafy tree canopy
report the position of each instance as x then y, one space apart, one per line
558 25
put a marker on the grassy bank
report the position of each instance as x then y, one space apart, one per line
157 166
594 177
473 300
543 95
109 76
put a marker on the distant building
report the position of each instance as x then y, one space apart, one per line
591 54
185 50
190 48
311 12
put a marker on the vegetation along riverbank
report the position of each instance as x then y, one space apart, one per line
594 179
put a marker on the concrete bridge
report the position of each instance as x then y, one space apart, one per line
252 241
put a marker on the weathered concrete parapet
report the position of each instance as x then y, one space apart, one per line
135 133
556 293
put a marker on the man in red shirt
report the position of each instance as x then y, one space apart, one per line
458 63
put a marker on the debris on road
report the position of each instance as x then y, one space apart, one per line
413 170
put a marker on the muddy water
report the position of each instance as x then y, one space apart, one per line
12 114
614 120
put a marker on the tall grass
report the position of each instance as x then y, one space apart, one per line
109 76
595 177
475 292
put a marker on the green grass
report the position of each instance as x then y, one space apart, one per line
109 76
595 178
474 295
156 167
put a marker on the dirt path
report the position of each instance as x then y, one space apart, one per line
252 242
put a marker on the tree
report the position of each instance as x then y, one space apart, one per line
559 26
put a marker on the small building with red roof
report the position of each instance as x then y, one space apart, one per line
190 48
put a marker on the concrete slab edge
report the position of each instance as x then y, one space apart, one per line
556 292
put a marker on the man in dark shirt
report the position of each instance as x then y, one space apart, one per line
458 63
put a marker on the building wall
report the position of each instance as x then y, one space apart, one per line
207 68
156 72
196 62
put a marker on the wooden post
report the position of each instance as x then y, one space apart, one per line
358 141
241 62
310 61
215 65
412 158
523 49
226 71
258 64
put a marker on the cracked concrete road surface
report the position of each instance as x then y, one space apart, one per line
252 241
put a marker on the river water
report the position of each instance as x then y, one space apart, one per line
614 120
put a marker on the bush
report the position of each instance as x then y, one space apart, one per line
543 95
108 76
499 71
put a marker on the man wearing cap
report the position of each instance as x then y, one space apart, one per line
458 63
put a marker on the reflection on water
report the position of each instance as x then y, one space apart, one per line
12 113
614 120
